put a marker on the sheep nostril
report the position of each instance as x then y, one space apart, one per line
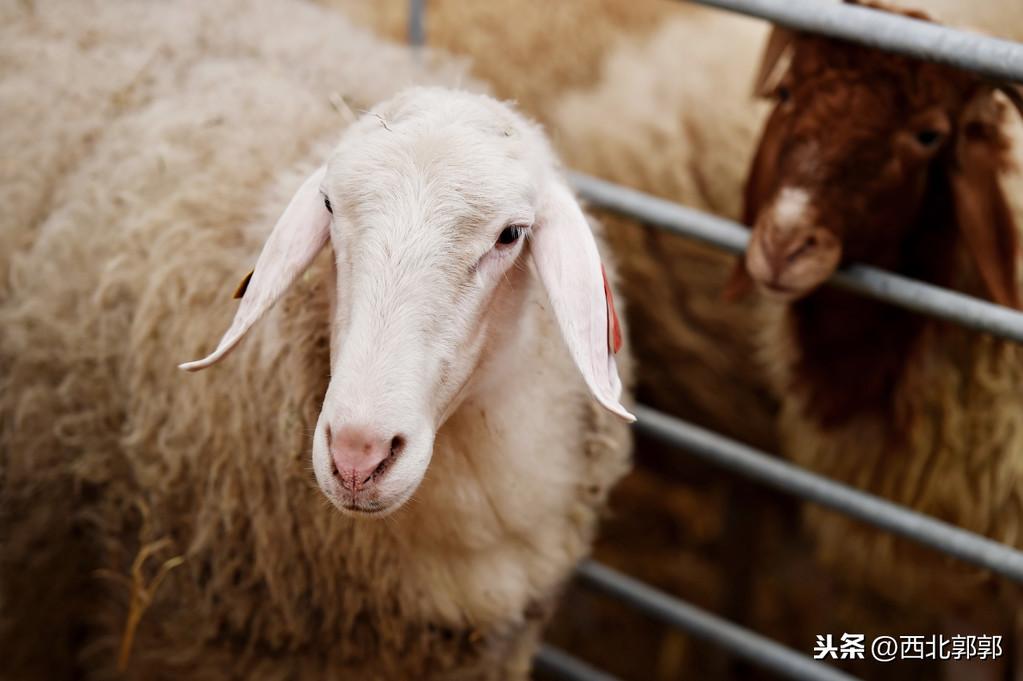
397 445
808 244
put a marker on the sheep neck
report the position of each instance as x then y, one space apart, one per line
852 354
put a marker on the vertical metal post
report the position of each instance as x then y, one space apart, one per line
417 23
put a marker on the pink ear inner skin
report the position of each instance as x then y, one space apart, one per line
614 330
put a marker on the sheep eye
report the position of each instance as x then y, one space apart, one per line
510 235
783 94
928 138
326 202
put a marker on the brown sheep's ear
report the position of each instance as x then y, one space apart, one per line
984 216
777 46
760 180
1014 93
739 282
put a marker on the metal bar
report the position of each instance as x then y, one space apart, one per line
869 281
752 463
742 642
994 57
417 23
551 661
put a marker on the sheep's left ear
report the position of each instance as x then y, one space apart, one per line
985 219
296 239
778 43
1014 93
567 261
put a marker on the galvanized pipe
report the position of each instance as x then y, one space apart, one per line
868 281
417 23
709 627
556 663
993 57
787 477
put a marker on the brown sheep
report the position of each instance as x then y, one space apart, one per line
883 159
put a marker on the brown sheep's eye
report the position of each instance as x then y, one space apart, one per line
928 138
326 202
510 235
783 94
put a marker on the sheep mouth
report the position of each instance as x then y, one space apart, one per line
779 288
781 292
364 510
370 508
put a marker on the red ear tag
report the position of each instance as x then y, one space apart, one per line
244 285
614 331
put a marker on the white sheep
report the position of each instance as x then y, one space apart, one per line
168 525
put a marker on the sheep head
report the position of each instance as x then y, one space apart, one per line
879 158
431 204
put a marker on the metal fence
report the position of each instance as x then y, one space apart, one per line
993 57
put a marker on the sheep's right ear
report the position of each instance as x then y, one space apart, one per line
760 181
738 283
568 263
296 239
778 43
983 214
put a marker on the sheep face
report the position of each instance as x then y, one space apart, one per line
427 203
429 225
878 158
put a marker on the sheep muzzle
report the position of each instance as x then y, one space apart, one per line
789 255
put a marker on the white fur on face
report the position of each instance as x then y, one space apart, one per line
420 192
791 208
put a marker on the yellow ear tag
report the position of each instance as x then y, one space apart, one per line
243 285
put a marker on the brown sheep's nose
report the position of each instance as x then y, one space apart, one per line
360 454
800 245
792 260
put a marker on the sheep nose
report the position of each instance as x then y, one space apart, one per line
360 454
791 248
794 260
784 248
